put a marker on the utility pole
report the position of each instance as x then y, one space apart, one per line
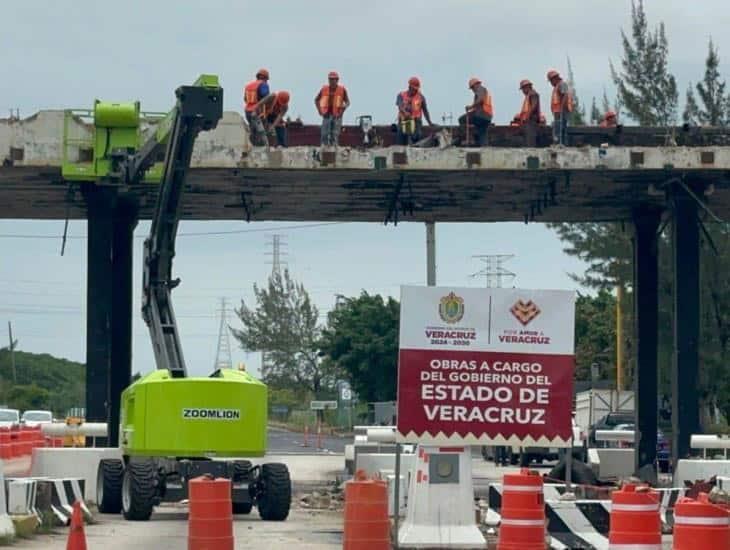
619 338
277 244
493 272
11 349
223 353
430 253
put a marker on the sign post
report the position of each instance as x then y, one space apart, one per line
477 366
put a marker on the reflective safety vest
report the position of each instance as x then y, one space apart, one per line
274 109
487 104
557 100
412 104
251 95
338 100
524 114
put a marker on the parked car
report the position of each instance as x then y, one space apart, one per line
9 418
36 418
608 422
663 454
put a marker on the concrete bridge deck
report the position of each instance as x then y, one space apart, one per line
230 180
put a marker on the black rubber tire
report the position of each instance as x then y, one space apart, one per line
242 471
274 492
139 481
242 508
109 485
514 459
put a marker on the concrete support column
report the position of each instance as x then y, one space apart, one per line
125 220
685 371
99 290
646 311
430 253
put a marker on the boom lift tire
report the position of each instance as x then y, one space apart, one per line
273 488
138 490
109 485
242 474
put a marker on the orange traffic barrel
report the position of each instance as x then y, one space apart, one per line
5 449
635 522
367 526
522 526
15 448
701 524
210 520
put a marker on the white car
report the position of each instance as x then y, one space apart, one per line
9 418
33 419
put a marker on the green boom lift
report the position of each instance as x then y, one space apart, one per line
175 427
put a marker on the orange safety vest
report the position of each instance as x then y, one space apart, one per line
251 95
412 104
557 100
487 104
275 109
337 103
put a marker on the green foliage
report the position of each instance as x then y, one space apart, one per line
645 87
595 334
715 105
691 109
52 383
596 115
284 326
578 116
361 339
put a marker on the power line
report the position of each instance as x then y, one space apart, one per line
223 353
191 234
493 272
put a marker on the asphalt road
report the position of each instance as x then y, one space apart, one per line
284 442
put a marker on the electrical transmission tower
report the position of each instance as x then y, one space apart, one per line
223 354
277 252
493 272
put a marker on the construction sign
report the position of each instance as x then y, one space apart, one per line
486 366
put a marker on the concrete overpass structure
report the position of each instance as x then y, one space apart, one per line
623 174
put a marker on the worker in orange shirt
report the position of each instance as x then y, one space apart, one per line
271 110
480 112
411 109
561 105
529 115
610 120
331 102
253 93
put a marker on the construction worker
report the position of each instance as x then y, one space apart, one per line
411 109
609 120
331 102
271 110
480 112
561 105
253 93
529 116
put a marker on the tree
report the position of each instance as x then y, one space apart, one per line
711 92
691 109
645 87
361 339
596 115
595 333
284 326
578 116
25 397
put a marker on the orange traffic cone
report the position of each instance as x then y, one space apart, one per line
76 536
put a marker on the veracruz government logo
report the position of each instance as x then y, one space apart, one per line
525 312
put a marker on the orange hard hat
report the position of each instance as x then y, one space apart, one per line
610 114
474 80
552 73
413 81
524 82
283 97
262 72
333 74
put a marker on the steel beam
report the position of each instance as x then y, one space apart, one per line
99 291
125 220
685 368
646 311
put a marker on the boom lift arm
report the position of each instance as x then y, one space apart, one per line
199 108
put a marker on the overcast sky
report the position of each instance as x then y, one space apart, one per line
66 54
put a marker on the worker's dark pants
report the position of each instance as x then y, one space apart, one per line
331 126
408 138
279 131
560 128
481 123
530 130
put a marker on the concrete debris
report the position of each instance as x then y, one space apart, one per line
718 496
326 498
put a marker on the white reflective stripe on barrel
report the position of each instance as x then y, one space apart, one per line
696 520
635 507
523 488
523 522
